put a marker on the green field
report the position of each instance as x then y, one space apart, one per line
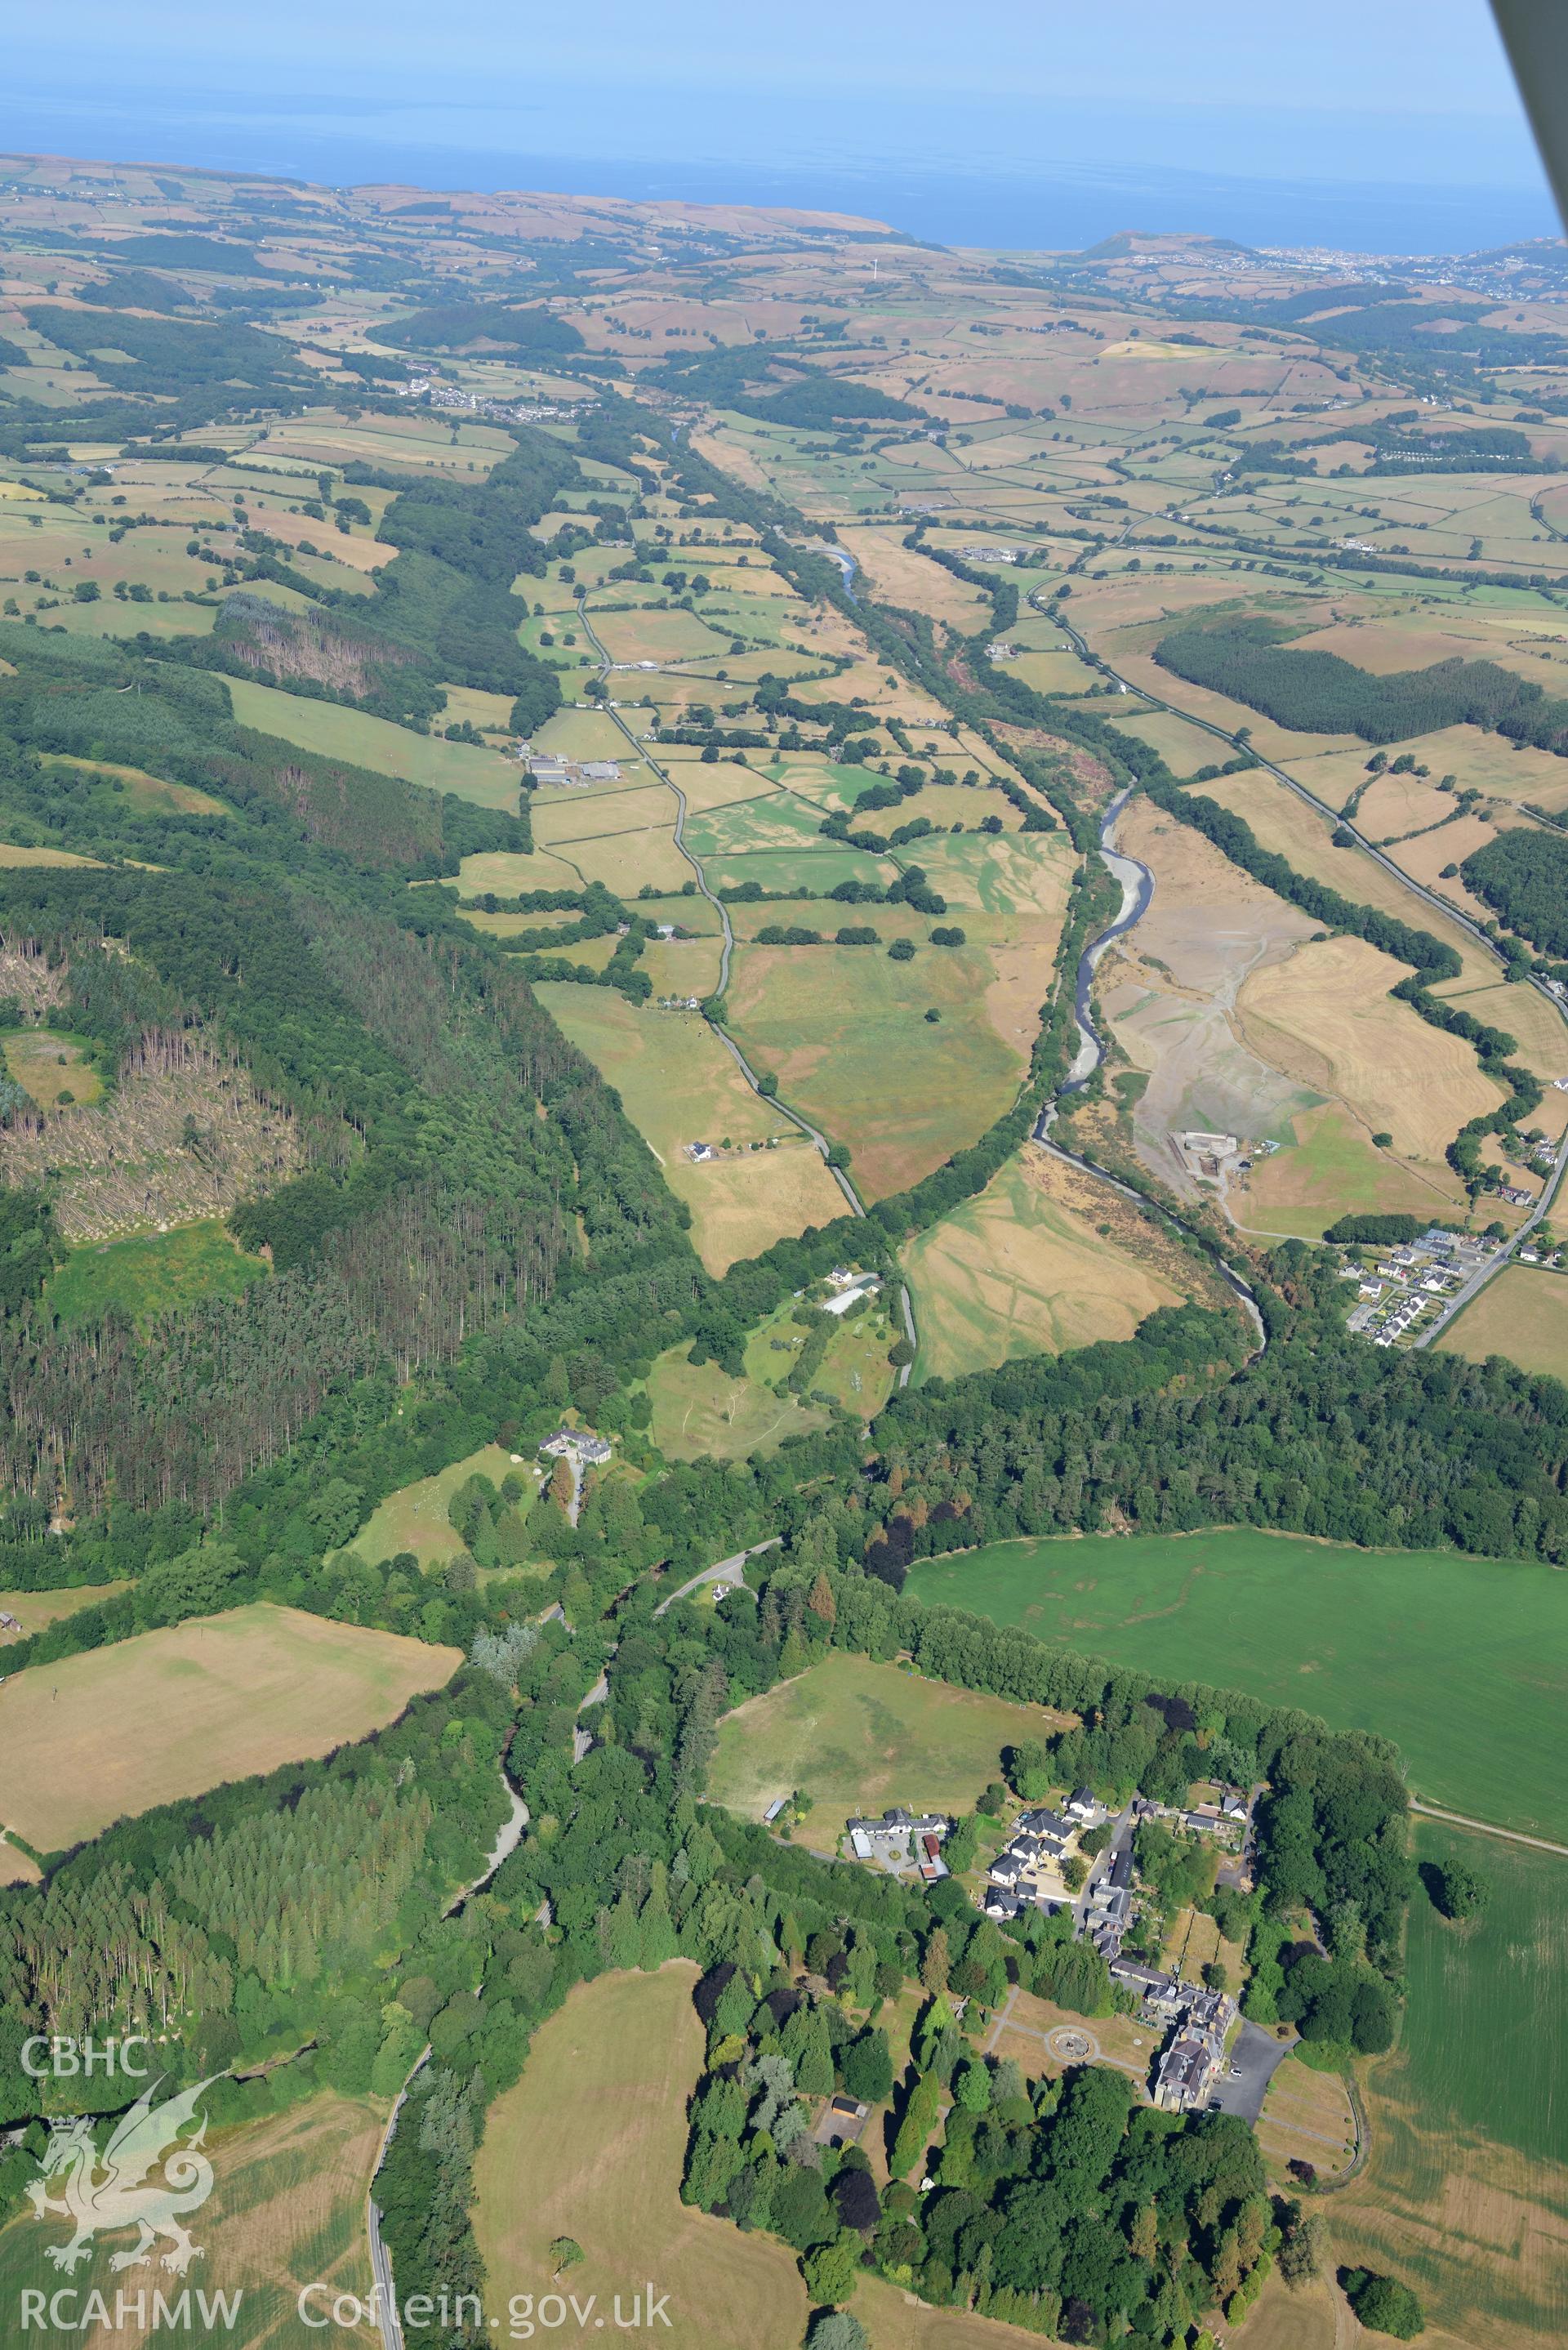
857 1736
415 1517
844 1029
1328 1169
339 732
698 1407
1466 2194
1462 1661
147 1277
34 1609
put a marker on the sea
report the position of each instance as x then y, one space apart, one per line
1008 198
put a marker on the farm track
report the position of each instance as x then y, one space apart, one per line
1361 2152
1486 1827
1439 905
840 1175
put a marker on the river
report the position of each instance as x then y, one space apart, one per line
1138 893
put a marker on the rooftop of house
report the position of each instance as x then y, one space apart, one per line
580 1440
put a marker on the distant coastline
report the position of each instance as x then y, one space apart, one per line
979 200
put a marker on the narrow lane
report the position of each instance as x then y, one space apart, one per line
813 1133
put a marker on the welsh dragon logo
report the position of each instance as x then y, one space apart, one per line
112 2190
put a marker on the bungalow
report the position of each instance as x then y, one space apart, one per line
1081 1804
1045 1823
1005 1871
1002 1905
842 2120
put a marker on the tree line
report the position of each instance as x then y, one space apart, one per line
1319 694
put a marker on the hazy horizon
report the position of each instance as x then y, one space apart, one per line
1045 135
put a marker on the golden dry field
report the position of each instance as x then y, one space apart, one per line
98 1737
1044 1259
680 1087
1328 1016
287 2210
589 2143
1522 1314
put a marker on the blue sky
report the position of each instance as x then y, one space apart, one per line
1126 100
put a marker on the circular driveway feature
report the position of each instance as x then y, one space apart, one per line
1073 2047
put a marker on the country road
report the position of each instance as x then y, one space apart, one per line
814 1134
384 2301
1439 905
734 1568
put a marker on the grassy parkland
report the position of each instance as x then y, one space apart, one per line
854 1736
589 2145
